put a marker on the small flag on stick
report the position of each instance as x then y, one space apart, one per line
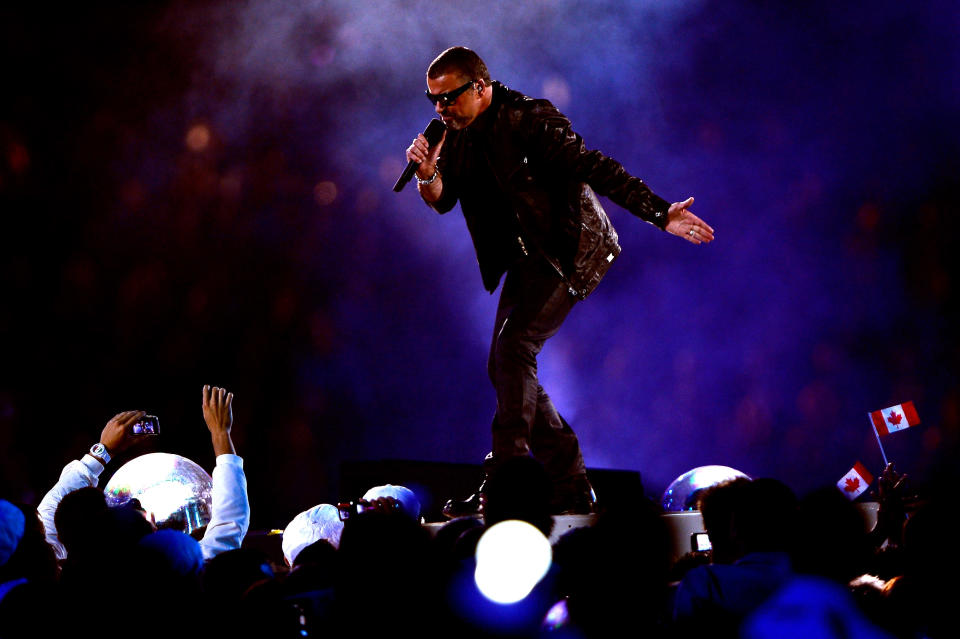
855 482
890 420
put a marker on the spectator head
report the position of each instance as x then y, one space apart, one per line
163 575
744 516
926 538
920 602
718 505
12 525
615 573
832 540
82 519
768 519
383 556
28 573
373 536
519 488
230 574
172 553
129 524
320 522
319 553
24 551
403 495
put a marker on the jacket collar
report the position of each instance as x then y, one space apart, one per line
484 122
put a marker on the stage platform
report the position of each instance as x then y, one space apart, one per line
681 525
435 482
562 524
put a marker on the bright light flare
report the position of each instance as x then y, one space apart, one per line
512 557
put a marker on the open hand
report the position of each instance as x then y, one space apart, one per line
218 414
682 223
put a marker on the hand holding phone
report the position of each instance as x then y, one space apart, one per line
117 435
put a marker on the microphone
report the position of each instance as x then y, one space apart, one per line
433 133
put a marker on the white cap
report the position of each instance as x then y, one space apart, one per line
320 522
408 501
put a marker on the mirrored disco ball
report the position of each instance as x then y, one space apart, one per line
171 488
683 493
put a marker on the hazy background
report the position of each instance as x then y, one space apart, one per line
200 192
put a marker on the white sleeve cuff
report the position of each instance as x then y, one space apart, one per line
228 459
92 464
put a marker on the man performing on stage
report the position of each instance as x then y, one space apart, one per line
526 184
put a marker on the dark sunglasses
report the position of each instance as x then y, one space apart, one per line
448 98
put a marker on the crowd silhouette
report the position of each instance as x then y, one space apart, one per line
780 566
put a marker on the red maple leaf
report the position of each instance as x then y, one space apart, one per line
852 483
894 418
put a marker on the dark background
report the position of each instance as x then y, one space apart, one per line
199 193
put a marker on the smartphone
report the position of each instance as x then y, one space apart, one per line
700 542
350 509
148 425
347 509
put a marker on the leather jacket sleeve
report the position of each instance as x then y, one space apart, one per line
551 133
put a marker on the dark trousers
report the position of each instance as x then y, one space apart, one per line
533 304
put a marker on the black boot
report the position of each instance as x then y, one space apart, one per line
472 506
573 496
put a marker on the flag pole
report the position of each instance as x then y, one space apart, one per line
873 427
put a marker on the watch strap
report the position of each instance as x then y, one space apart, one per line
100 452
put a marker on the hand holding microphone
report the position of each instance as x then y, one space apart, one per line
423 153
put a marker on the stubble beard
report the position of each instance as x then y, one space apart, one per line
456 123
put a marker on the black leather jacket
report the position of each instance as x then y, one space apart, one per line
541 170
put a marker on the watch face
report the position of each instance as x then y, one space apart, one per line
98 449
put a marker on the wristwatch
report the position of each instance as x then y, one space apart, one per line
99 451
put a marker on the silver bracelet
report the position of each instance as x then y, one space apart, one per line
429 180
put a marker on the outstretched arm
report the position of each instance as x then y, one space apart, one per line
563 149
117 436
230 516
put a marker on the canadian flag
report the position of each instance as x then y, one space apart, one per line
855 482
895 418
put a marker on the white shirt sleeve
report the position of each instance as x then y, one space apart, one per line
76 475
230 516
